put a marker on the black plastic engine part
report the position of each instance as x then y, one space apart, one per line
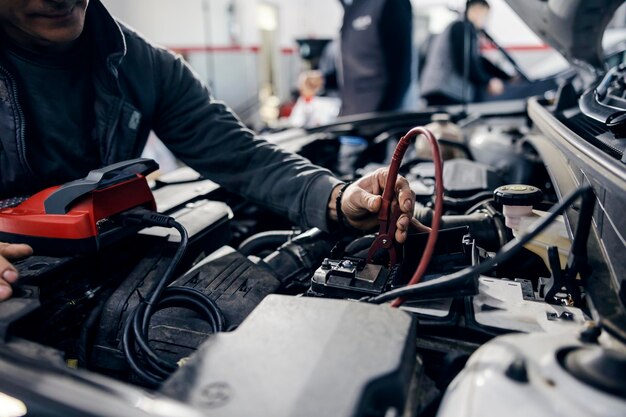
454 251
292 353
489 232
464 178
605 103
295 262
231 280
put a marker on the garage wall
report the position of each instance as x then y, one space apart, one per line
221 39
180 22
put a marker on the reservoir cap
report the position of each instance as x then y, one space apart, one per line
518 195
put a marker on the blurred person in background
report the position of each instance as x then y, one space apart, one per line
375 55
310 109
443 79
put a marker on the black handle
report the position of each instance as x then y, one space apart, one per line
60 201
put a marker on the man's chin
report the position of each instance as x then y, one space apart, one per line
59 38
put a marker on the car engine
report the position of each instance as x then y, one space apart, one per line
298 322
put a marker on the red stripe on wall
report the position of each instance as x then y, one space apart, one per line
519 48
226 49
290 51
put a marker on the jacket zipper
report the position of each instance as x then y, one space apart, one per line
110 133
21 118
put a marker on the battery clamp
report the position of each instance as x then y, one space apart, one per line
81 216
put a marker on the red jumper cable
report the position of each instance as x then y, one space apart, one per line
390 212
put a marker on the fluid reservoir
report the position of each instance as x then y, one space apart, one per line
517 206
443 129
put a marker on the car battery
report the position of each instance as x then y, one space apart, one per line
351 277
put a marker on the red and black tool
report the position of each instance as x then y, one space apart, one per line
80 216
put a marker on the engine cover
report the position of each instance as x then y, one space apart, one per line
305 357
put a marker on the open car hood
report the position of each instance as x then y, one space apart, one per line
573 27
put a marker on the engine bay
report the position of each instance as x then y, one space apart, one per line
300 323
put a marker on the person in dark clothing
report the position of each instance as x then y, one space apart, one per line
374 71
79 90
443 77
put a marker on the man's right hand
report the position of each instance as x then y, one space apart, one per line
8 273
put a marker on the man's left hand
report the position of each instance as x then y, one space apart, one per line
362 201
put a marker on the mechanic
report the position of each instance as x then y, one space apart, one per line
79 90
375 55
443 78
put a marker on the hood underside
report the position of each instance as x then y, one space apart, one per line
573 27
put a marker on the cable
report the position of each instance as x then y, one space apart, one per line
464 280
439 198
141 358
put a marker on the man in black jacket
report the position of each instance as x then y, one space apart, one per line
78 90
376 46
443 78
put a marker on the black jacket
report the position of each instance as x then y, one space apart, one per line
140 87
444 69
376 55
481 70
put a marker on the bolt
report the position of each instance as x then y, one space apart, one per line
326 263
347 264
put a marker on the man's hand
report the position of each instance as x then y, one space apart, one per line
8 273
362 201
495 87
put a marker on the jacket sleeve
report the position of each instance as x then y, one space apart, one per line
396 32
206 135
494 70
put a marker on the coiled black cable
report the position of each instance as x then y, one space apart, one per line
463 282
141 358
